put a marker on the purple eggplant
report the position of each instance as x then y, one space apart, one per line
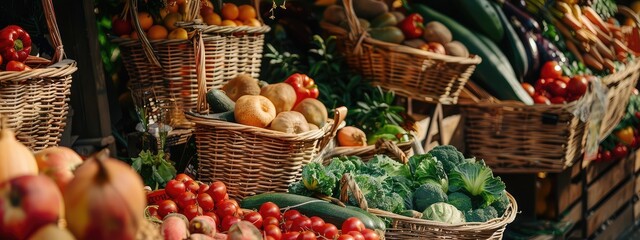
528 39
549 51
527 21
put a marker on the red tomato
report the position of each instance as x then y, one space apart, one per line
287 225
217 191
174 188
316 224
551 69
539 99
153 211
352 224
273 231
291 215
214 216
346 237
269 238
270 221
558 100
290 236
541 85
301 223
15 66
185 199
205 201
228 221
577 86
329 231
183 177
232 201
528 88
255 218
121 26
356 235
203 189
0 59
370 234
307 235
606 156
167 206
226 209
270 209
557 89
191 211
192 186
565 79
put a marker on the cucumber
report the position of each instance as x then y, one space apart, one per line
514 48
479 15
494 72
329 212
219 102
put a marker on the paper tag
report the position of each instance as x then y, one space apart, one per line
596 113
157 196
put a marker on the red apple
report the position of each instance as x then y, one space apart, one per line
58 163
26 204
121 26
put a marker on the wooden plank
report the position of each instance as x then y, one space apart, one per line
574 214
637 183
609 180
596 170
576 169
567 190
636 210
598 216
636 167
617 225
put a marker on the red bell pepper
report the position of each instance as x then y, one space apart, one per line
15 43
305 87
412 26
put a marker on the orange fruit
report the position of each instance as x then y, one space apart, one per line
134 35
171 20
212 19
230 11
229 23
238 22
252 23
246 12
178 33
206 10
146 20
157 32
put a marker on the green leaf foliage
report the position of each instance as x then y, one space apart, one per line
476 179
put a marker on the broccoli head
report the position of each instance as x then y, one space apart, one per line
427 194
425 168
298 188
390 202
317 179
460 200
448 155
501 203
481 214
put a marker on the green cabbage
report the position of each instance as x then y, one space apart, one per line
443 212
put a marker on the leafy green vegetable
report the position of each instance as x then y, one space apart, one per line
427 194
299 189
501 203
424 168
443 212
481 214
402 186
476 179
155 170
317 179
448 155
389 166
460 200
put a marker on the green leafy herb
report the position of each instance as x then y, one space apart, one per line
155 170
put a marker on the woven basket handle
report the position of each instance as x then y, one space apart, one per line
50 15
339 114
356 33
348 184
384 144
146 45
627 12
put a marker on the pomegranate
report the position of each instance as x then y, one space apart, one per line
58 163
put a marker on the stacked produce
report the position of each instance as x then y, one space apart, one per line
441 185
15 47
625 137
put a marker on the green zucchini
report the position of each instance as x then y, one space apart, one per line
219 102
329 212
479 15
514 48
494 73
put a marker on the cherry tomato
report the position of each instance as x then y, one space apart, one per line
352 224
174 188
270 221
226 209
205 201
153 211
356 235
541 84
329 231
370 234
186 198
269 238
192 186
551 69
167 206
15 66
557 88
577 86
217 191
232 201
528 88
228 221
565 79
539 99
620 151
606 156
286 226
291 215
191 211
346 237
316 223
301 223
255 218
214 216
290 236
273 231
558 100
183 177
203 189
270 209
307 235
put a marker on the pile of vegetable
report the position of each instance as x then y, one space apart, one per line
626 135
441 185
15 47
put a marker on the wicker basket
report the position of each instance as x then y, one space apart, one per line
35 102
366 153
620 87
408 71
252 160
172 67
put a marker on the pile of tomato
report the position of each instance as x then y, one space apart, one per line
554 88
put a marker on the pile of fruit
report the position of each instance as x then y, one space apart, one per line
625 137
554 88
15 47
290 106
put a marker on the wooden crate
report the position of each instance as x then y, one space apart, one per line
636 205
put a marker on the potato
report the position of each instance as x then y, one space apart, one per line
437 32
369 9
457 49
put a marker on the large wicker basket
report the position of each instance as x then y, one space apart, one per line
35 102
408 71
252 160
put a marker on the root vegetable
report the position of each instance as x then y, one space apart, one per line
244 230
52 231
175 227
591 61
204 225
200 236
351 137
437 32
290 122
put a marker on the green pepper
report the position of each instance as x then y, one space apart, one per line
390 132
384 20
387 34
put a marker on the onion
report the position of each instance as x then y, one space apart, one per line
15 158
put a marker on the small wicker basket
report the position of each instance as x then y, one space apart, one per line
35 102
366 153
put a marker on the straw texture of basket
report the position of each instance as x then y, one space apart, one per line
408 71
35 102
366 153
